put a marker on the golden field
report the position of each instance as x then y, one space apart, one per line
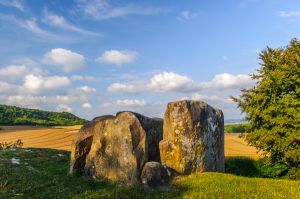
61 138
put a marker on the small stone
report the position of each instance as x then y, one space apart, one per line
154 175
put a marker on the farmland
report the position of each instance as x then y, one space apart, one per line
60 138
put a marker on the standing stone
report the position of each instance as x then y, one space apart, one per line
81 145
119 147
193 137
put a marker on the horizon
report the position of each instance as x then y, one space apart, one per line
97 57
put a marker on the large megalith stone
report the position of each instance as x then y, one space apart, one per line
193 137
119 150
117 146
81 144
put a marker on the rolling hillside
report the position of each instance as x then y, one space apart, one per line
12 115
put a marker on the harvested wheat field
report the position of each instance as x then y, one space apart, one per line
41 137
236 146
61 138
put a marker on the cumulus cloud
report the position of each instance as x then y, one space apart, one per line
67 59
7 87
123 88
117 57
229 81
28 101
86 105
87 90
173 82
169 81
64 108
35 83
127 103
289 13
198 96
13 71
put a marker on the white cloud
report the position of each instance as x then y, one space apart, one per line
169 81
289 13
127 103
13 71
198 96
13 3
82 78
28 101
34 83
64 108
62 99
60 22
67 59
7 88
229 81
86 105
187 15
103 10
117 57
123 88
87 90
173 82
32 26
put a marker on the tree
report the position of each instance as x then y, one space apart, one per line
272 106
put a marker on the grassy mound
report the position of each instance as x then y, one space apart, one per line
43 173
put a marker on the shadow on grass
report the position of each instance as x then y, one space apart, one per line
43 173
243 166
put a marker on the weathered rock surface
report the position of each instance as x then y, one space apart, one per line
82 144
193 137
116 147
154 175
119 149
154 132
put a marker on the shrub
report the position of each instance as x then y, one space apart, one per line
294 173
9 145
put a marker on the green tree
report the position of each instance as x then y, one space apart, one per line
272 106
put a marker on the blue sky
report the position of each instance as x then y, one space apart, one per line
94 57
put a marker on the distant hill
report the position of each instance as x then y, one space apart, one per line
234 121
12 115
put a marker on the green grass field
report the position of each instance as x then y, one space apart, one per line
43 173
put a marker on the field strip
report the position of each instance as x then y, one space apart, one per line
28 134
58 138
61 138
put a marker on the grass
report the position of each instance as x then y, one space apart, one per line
43 173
